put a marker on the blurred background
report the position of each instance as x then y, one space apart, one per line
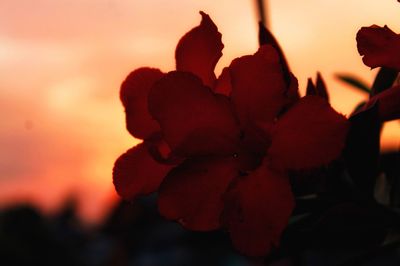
62 62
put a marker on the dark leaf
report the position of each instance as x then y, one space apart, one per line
359 107
390 165
383 80
354 82
362 149
351 225
306 205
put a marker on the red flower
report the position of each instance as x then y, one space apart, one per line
380 47
228 142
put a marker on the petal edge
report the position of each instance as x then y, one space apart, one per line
135 173
199 50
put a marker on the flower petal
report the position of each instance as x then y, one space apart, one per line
319 89
133 94
258 86
266 37
194 120
380 46
292 92
311 89
256 139
136 173
192 192
223 85
199 50
310 134
257 210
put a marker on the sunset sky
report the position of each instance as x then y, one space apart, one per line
62 61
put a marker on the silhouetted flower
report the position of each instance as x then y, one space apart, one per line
380 47
218 150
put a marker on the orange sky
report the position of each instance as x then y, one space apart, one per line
61 64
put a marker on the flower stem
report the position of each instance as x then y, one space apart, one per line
262 12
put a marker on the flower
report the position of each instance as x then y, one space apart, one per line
217 150
380 47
